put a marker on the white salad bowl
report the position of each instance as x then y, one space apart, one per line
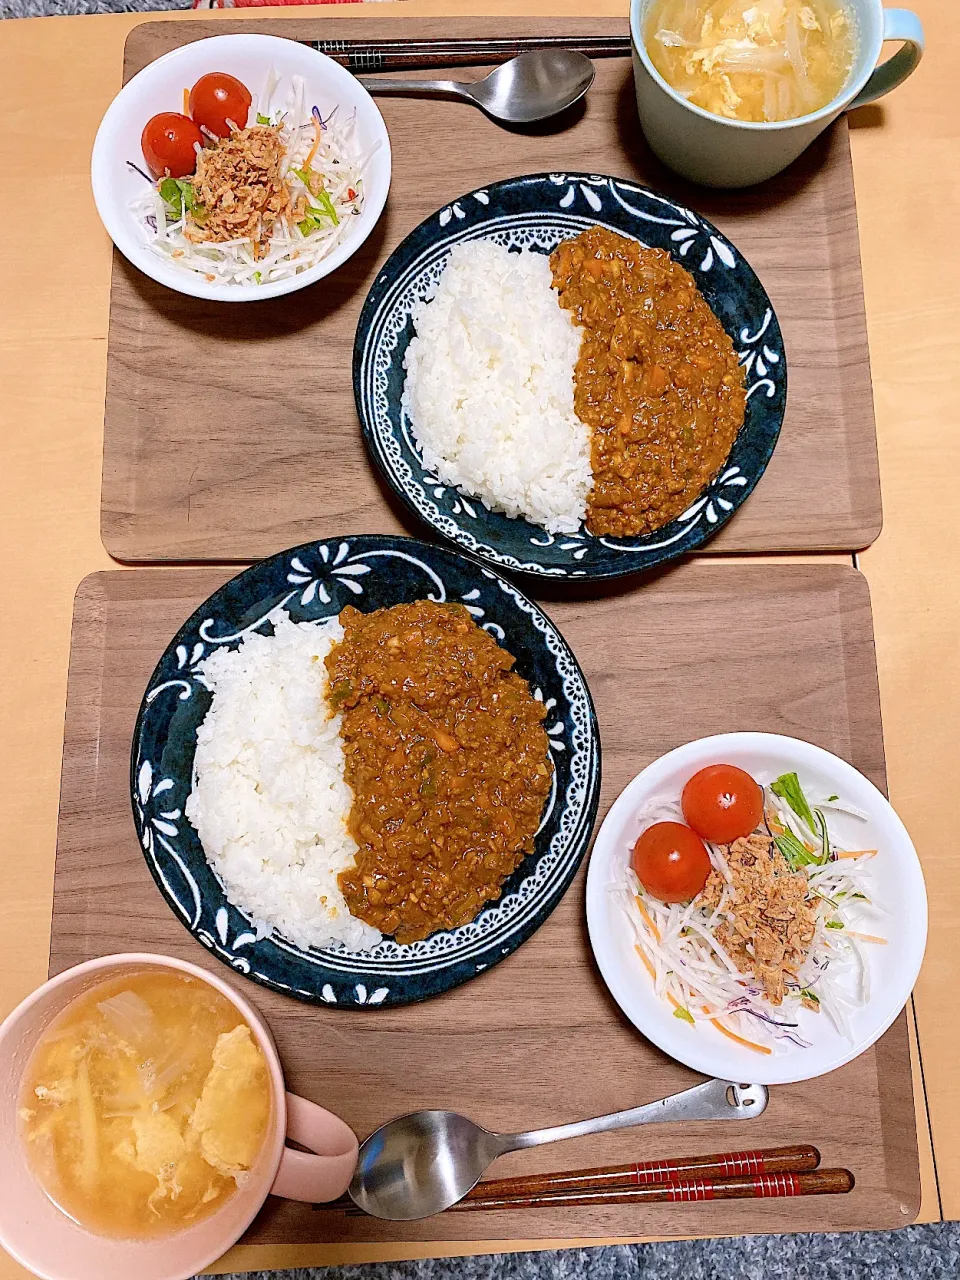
897 880
159 87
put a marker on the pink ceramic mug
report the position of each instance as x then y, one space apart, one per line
54 1247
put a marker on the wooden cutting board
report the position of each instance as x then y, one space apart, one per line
231 433
537 1040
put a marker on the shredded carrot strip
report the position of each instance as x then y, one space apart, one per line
186 102
749 1044
643 956
316 143
856 853
866 937
652 972
649 919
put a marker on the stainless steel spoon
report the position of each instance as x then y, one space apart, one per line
423 1163
530 87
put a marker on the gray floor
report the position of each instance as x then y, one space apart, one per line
44 8
930 1253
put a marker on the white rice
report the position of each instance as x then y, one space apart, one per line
489 387
269 800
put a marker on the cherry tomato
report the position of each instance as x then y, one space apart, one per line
671 862
722 803
168 144
217 98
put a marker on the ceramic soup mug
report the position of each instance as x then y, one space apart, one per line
719 152
53 1246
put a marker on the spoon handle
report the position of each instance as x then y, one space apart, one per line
714 1100
417 88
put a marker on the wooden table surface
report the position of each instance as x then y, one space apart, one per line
59 76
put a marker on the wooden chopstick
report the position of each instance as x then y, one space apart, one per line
820 1182
417 55
453 43
730 1164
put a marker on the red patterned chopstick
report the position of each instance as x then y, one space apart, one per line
762 1186
728 1164
415 55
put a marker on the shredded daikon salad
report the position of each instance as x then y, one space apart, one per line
316 148
691 971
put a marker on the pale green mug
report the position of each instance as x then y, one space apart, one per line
719 152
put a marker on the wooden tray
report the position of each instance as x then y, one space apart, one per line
708 648
230 431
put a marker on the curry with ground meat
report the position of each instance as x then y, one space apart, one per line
657 380
448 760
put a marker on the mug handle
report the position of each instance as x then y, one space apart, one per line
323 1172
898 24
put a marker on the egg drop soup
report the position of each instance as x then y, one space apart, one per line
757 60
145 1104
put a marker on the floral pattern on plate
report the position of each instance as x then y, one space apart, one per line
537 212
316 581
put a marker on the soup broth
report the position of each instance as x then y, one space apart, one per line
145 1104
759 60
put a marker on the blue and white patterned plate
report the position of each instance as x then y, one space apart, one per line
313 582
537 212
